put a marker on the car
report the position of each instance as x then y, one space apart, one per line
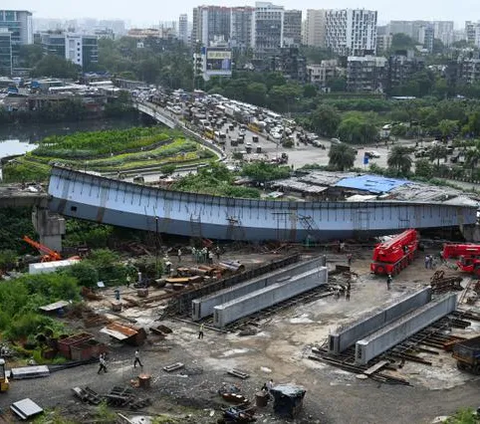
372 154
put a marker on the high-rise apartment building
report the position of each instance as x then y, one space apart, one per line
268 29
183 28
6 58
426 35
78 48
424 32
19 24
210 24
351 31
314 30
241 30
472 33
444 31
292 28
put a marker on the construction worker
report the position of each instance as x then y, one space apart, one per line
347 295
137 360
103 364
179 255
349 258
389 281
200 331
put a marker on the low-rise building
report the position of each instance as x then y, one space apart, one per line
291 64
366 73
401 66
320 73
80 49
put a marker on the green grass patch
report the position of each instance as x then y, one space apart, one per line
83 145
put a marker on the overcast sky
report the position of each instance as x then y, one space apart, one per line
144 12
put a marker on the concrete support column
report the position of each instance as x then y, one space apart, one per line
50 227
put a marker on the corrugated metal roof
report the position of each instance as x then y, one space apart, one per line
54 306
119 331
371 183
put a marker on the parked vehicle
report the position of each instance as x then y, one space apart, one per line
396 254
468 256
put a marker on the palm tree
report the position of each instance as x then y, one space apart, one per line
341 156
438 152
472 158
400 159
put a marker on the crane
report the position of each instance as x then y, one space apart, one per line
468 256
48 255
394 255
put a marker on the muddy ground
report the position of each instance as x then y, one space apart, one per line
279 350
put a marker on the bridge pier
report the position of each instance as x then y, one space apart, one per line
49 226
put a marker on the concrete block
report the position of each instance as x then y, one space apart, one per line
268 296
403 328
347 336
203 306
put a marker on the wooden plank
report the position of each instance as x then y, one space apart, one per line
378 366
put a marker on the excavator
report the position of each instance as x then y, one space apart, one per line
48 255
468 256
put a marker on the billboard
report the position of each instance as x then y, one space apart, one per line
218 62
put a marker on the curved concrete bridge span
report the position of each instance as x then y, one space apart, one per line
82 195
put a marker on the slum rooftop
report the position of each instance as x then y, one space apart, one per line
369 187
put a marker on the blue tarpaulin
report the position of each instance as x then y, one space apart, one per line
371 183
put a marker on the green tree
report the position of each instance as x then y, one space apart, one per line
423 168
400 160
84 272
56 67
283 97
448 128
355 129
438 46
473 125
325 120
309 91
438 152
30 54
256 93
263 172
402 41
341 157
108 265
8 259
337 85
471 159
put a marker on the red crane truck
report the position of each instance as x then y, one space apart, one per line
468 256
394 255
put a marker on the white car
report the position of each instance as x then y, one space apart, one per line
373 154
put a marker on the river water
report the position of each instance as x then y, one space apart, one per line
20 139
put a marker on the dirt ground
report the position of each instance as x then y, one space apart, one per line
278 351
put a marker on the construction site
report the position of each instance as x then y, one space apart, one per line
336 333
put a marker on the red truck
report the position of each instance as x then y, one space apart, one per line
394 255
468 256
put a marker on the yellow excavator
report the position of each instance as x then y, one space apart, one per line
4 383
